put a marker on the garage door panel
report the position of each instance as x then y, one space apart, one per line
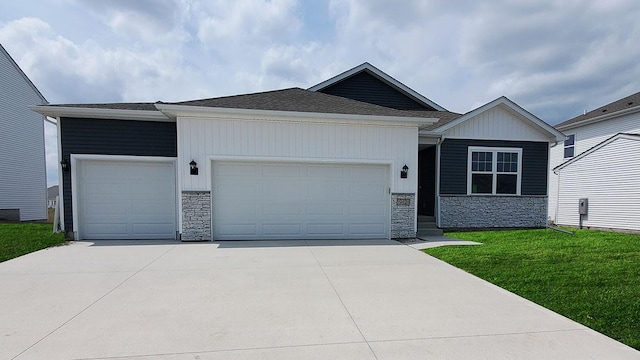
236 230
366 229
368 172
335 229
326 171
327 208
367 209
152 228
241 170
298 201
325 190
282 229
232 188
105 231
235 212
277 189
126 200
366 190
281 171
281 209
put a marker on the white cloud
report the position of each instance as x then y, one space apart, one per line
153 21
247 22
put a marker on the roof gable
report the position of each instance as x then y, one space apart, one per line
517 112
614 109
367 83
24 76
634 137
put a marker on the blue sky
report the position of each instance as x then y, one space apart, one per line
554 58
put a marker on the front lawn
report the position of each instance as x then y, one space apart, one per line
19 239
592 277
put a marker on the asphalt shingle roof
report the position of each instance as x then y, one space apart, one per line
624 103
292 99
444 116
299 100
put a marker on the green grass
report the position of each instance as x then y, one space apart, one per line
19 239
592 277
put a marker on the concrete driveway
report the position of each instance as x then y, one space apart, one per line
271 300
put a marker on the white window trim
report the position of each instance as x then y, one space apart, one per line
494 168
564 147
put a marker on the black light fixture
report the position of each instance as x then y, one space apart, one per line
194 167
64 164
404 172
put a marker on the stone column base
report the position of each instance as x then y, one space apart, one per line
403 215
196 216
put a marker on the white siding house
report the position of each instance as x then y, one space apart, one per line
598 164
23 188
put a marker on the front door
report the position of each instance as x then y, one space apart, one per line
426 181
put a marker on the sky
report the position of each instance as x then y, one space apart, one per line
554 58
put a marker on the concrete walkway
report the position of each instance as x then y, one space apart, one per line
426 242
271 300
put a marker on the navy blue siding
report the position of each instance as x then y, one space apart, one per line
367 88
453 164
112 137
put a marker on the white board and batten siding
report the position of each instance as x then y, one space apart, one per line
586 137
204 139
609 178
22 161
297 179
496 123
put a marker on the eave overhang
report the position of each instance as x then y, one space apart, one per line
100 113
176 111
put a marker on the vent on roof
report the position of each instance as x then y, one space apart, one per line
630 103
604 110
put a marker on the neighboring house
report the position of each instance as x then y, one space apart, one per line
23 183
52 193
599 161
358 156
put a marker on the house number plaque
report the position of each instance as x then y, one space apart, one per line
403 202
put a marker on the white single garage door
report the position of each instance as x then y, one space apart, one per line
299 201
126 200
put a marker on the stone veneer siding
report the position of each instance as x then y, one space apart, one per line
403 215
196 216
493 211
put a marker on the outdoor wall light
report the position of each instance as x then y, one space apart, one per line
64 164
194 167
404 172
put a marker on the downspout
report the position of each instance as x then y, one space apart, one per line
555 218
60 175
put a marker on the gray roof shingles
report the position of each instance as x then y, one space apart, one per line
292 99
299 100
618 105
444 117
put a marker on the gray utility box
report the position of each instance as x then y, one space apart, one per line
583 206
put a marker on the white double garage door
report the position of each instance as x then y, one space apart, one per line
250 200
